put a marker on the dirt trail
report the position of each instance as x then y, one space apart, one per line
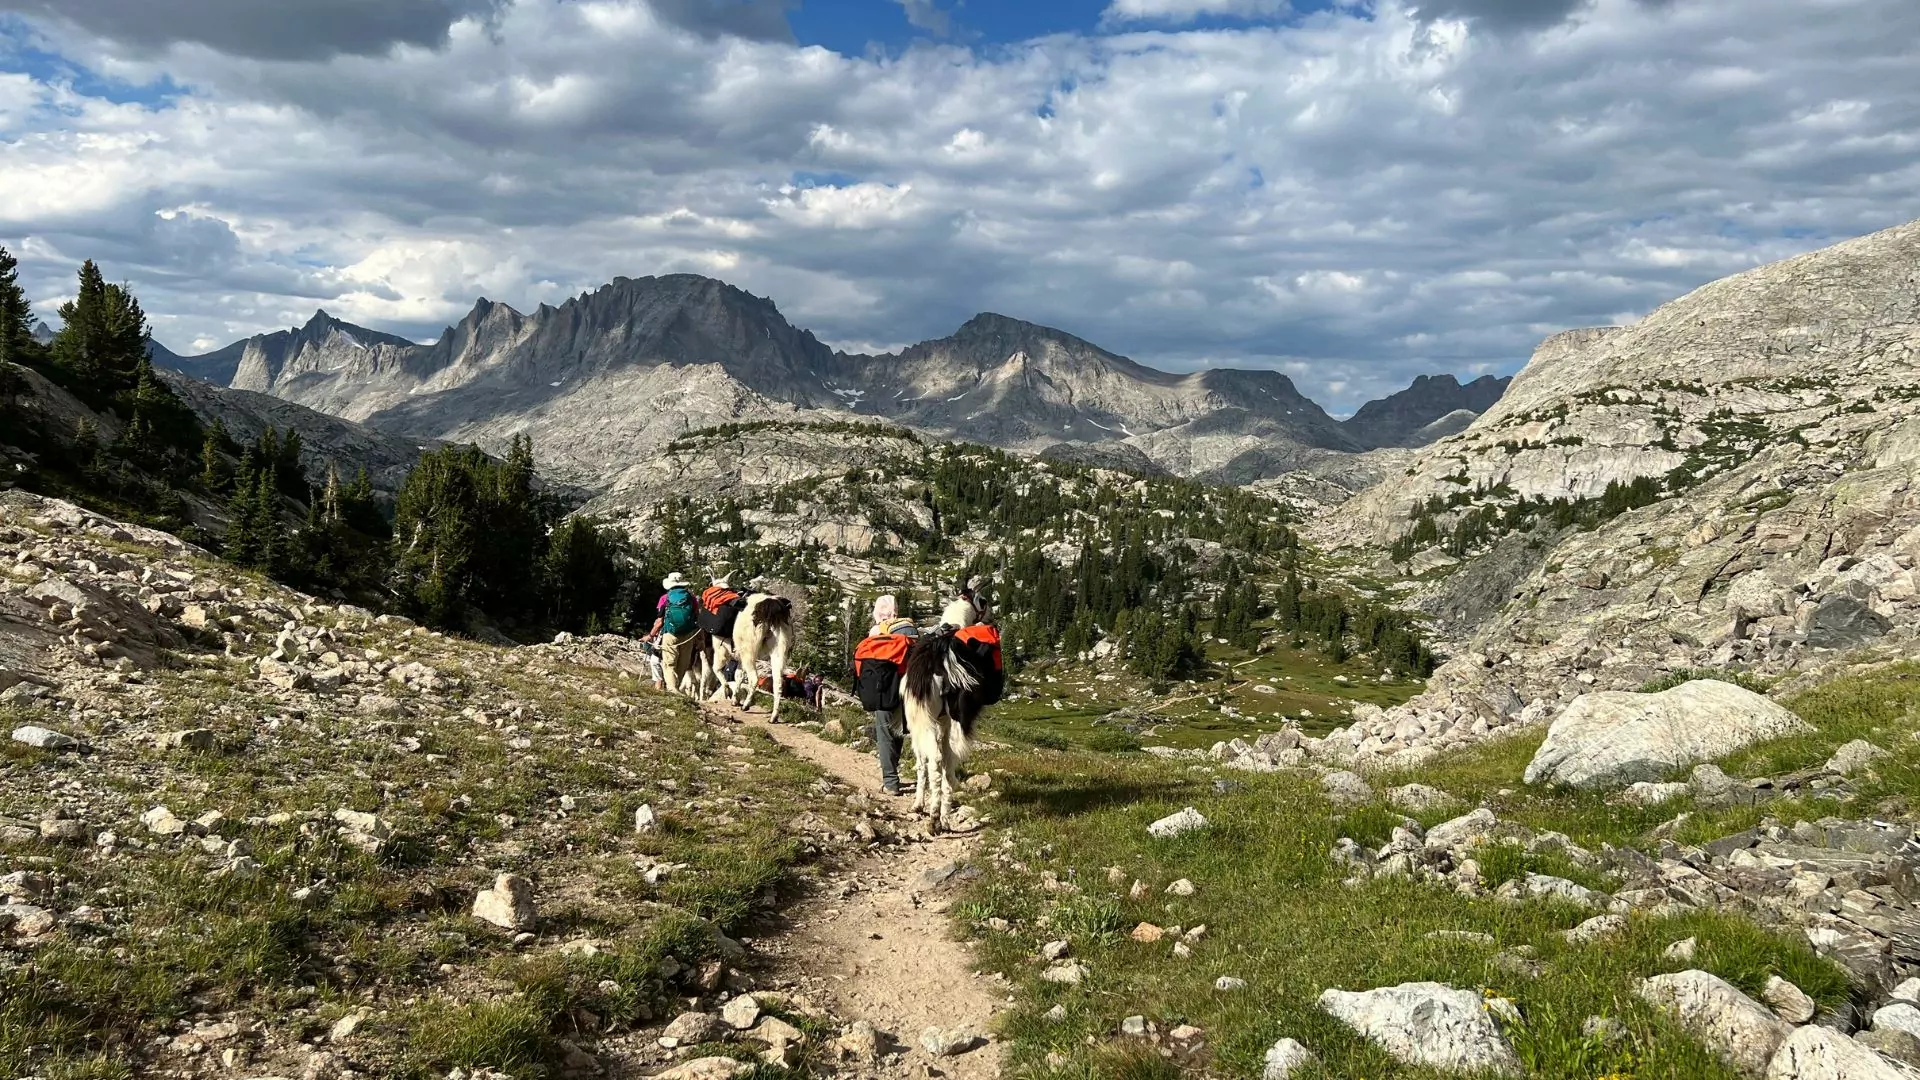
875 943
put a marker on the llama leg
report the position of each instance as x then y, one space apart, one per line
779 675
949 768
925 755
749 676
720 654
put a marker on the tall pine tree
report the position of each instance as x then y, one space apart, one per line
17 344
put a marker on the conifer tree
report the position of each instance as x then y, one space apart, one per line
213 461
17 344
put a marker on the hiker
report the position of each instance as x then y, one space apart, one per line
878 663
679 630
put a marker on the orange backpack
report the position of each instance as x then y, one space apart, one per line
982 647
878 663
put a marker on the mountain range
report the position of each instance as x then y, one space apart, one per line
609 376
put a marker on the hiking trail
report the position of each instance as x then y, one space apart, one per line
873 942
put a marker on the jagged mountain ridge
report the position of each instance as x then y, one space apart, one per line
1433 407
608 376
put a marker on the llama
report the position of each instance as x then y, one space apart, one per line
941 695
764 629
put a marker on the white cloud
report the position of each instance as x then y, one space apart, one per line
1186 11
1353 197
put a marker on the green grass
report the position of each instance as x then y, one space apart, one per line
1279 917
1307 693
377 930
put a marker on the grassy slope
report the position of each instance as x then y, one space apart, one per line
1280 918
391 933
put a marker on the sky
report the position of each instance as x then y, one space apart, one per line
1351 191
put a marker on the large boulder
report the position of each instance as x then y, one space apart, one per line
1430 1024
1615 738
1739 1030
1845 622
1816 1053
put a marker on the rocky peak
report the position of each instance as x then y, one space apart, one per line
42 333
1401 419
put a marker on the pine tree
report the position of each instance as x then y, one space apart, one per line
17 344
328 509
213 461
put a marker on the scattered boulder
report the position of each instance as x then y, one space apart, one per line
1898 1045
1816 1053
709 1068
1844 622
1788 1002
1898 1016
1346 789
344 1027
1548 887
1645 793
1430 1024
1179 824
693 1028
1853 757
1466 831
741 1013
508 905
1738 1029
1419 798
160 822
1614 738
1065 972
47 739
940 1043
859 1043
192 739
1286 1058
1597 928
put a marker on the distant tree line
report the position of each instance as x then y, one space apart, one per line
1480 525
468 540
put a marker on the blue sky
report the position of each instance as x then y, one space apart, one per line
853 26
1352 194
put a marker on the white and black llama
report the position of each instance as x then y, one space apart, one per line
951 676
762 630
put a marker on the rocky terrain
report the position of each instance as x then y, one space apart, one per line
1774 422
1654 815
608 377
244 832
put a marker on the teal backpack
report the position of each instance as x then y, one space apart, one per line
678 619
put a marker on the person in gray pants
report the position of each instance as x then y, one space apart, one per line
890 725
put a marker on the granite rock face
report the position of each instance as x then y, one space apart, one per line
1612 739
1772 419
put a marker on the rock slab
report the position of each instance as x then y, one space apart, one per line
1429 1024
1616 738
1815 1053
1739 1030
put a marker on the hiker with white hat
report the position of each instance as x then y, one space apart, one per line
679 631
